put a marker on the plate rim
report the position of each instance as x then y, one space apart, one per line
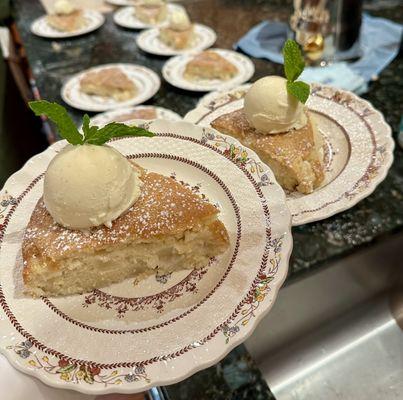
141 25
121 4
310 217
132 102
67 35
173 52
205 359
130 108
200 89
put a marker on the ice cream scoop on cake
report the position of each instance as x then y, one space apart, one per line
168 227
103 219
89 185
66 17
278 127
179 33
151 11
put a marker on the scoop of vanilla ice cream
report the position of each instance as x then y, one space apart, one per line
269 107
89 185
63 7
179 20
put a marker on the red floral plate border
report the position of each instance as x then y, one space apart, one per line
61 369
362 129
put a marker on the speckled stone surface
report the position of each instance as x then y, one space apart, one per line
234 378
315 245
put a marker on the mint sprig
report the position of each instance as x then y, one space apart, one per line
58 114
294 64
91 134
300 90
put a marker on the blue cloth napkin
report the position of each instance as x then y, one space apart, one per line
378 45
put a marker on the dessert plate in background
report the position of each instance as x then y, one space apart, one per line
40 26
126 17
123 115
358 150
122 3
174 68
131 336
150 42
146 81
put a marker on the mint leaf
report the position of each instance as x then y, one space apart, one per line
300 90
294 64
89 131
92 134
293 61
116 129
59 116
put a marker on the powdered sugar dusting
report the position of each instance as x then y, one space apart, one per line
165 207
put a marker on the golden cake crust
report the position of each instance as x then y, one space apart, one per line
289 151
108 82
176 39
169 228
209 65
67 22
165 208
143 113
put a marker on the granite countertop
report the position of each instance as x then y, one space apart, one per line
316 244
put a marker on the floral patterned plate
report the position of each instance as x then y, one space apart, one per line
149 41
358 147
147 83
136 334
126 17
40 26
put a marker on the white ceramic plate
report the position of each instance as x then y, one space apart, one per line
358 148
110 116
127 339
122 3
40 27
146 81
173 70
126 17
149 41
